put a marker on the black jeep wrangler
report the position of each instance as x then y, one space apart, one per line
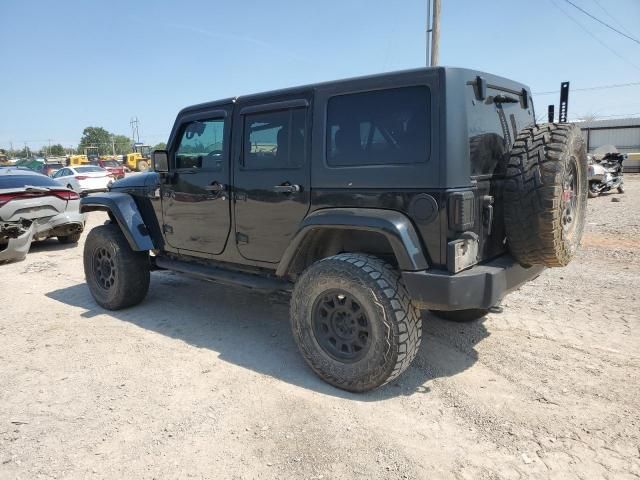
368 198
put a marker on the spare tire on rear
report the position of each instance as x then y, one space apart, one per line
545 194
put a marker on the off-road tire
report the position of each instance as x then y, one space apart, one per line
461 316
130 281
142 166
73 238
541 162
395 324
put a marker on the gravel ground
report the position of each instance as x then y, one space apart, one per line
204 381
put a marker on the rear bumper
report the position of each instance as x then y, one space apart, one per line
63 224
16 249
481 286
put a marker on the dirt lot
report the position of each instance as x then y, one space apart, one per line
204 381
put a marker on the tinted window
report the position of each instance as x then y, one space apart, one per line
379 128
274 139
16 181
201 145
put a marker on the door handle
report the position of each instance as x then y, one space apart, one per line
284 188
216 187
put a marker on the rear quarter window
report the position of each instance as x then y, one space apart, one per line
381 127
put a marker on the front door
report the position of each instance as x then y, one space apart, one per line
195 195
272 176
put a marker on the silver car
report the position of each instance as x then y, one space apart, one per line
35 207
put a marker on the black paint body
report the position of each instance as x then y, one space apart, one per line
248 222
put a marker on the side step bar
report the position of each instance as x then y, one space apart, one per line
224 276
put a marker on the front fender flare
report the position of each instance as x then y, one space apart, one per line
124 209
395 226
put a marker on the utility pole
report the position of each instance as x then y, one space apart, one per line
428 30
113 146
135 135
49 147
435 34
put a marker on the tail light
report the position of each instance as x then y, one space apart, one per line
81 177
63 194
66 194
7 197
461 211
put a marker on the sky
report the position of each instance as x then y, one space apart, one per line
69 64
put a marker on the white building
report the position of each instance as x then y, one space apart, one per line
623 133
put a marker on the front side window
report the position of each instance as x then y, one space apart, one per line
383 127
274 140
201 145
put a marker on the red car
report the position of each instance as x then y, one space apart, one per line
112 167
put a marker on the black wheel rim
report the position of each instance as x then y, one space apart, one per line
570 197
341 326
104 268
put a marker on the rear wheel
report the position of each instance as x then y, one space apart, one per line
593 190
73 238
142 166
354 322
117 276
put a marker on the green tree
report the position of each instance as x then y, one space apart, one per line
160 146
56 150
122 144
95 137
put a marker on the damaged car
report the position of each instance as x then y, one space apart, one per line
35 207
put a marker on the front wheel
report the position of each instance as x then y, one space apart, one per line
354 322
593 190
621 189
117 276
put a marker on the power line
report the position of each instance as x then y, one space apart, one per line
600 87
603 23
612 17
588 32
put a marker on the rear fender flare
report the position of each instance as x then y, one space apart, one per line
395 226
124 209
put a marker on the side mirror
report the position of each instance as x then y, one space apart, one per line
160 161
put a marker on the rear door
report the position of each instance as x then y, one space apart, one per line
272 179
195 193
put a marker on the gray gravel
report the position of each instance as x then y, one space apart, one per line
203 381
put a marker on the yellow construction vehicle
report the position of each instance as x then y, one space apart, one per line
92 154
140 159
75 160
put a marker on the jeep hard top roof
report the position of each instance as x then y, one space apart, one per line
466 73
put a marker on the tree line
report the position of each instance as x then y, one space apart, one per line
107 143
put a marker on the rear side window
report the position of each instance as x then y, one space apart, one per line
383 127
274 140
